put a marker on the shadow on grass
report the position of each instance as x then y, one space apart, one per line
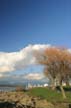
67 89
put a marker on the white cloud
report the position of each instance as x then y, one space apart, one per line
34 76
1 76
18 60
21 77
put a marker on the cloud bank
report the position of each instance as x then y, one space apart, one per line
15 77
13 61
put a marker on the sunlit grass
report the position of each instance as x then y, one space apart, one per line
50 95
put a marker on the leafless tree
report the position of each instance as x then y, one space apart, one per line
57 64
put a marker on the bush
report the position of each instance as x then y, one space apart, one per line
20 88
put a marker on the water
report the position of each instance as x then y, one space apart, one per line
6 89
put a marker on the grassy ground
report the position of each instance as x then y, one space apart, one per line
48 94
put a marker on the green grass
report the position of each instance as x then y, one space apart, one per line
50 95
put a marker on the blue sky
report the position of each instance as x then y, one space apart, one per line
34 21
24 22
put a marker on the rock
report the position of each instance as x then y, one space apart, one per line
23 100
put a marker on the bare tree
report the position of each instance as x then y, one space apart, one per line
57 64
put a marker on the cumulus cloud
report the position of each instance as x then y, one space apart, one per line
18 60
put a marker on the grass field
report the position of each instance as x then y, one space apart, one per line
50 95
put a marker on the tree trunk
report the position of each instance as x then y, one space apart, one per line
53 84
62 90
67 83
